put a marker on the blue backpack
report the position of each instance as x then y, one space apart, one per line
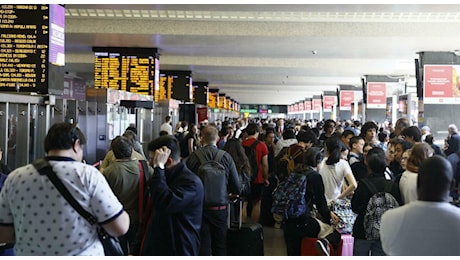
289 197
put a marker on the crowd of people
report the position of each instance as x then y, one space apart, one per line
345 161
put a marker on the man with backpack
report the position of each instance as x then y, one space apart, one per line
373 196
217 170
257 153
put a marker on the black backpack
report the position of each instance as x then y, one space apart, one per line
214 177
251 154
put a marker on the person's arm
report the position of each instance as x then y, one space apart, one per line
190 144
234 180
7 234
119 226
352 184
265 170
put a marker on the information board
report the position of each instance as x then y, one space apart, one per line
25 46
127 69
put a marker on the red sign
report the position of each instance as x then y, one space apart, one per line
316 105
307 105
346 97
376 95
440 84
328 103
301 107
202 113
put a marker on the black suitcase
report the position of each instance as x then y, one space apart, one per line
243 239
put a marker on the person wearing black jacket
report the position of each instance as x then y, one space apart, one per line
295 229
375 161
214 222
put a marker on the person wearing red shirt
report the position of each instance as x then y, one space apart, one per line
262 179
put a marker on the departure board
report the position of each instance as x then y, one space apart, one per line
200 94
25 33
128 69
213 98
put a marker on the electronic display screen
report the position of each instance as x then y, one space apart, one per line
127 69
25 45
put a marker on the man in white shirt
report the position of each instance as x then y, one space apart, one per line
429 225
166 126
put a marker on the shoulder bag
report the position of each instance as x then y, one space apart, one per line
111 244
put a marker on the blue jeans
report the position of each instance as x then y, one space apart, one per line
362 247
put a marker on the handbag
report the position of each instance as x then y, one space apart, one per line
111 244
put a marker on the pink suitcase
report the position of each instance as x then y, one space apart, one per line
347 247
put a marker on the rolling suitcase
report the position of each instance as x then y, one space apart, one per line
243 239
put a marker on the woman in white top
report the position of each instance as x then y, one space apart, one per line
334 171
408 182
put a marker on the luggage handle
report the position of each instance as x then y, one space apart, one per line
236 199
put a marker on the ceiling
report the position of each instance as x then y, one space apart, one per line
267 54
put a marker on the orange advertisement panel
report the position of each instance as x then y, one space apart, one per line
441 84
376 95
213 98
346 97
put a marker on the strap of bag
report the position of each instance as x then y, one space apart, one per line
143 178
44 168
370 186
253 145
218 158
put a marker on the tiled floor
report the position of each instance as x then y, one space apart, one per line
274 242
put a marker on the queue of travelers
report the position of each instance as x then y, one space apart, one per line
351 163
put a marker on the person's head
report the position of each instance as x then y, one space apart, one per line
383 137
252 129
346 136
367 147
306 137
223 133
193 128
209 134
412 134
429 139
184 125
425 130
329 126
234 147
289 134
163 132
313 156
132 128
357 144
435 179
420 152
167 119
171 143
122 147
400 125
405 157
269 136
452 129
369 131
400 147
131 135
333 150
375 161
65 138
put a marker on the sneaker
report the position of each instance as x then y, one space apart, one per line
322 245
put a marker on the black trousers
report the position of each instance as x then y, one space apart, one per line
296 229
214 233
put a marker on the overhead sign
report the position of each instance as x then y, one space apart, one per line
376 95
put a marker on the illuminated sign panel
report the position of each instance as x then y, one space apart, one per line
25 46
128 69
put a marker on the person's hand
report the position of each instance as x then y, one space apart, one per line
334 218
266 182
161 157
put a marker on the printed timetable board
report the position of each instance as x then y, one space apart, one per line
129 69
31 46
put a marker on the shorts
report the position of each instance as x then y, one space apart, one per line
256 191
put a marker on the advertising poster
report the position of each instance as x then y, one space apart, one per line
376 95
441 84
